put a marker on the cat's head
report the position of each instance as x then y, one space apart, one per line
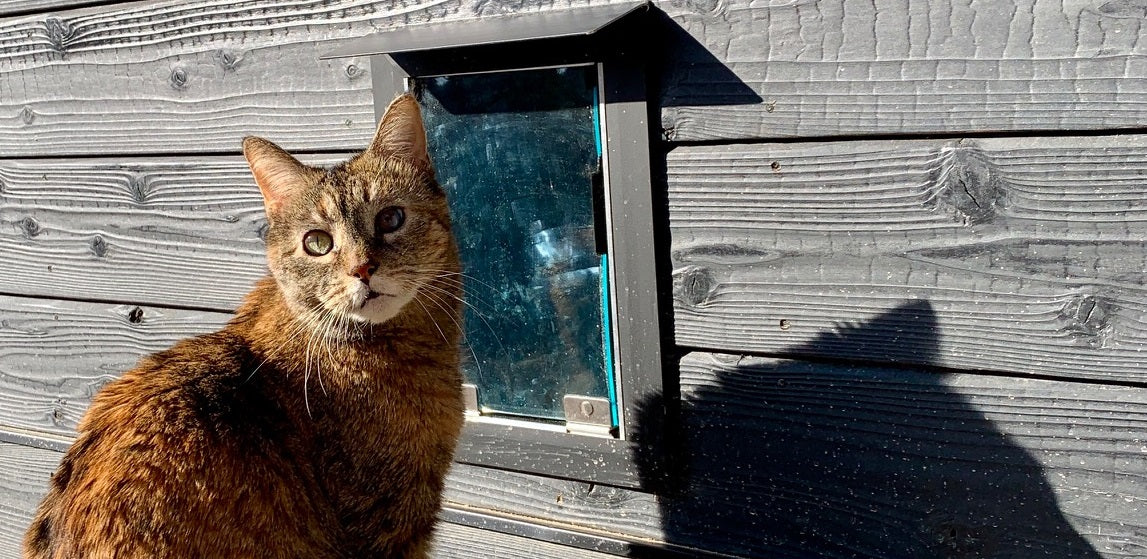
358 241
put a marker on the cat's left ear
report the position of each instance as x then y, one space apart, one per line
278 175
401 131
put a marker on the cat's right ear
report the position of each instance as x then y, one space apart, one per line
278 174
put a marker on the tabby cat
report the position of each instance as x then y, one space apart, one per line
321 420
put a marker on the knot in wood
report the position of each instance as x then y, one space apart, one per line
30 227
27 115
1130 9
1088 319
228 59
99 246
59 33
668 125
178 77
58 414
353 71
970 186
135 315
138 188
693 285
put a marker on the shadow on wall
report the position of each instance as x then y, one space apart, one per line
787 458
689 74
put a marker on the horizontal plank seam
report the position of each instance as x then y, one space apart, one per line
169 155
34 439
76 5
939 369
891 136
99 301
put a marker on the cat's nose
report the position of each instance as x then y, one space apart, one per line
364 271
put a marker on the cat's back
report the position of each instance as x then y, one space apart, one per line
187 455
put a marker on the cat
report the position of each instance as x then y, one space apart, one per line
321 420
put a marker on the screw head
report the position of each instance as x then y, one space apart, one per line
587 408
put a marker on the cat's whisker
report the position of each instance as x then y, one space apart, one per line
452 279
432 321
462 331
464 275
480 316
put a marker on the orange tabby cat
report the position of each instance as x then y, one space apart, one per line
321 420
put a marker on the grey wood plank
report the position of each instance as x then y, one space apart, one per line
769 438
463 542
24 7
24 474
793 459
54 355
1031 251
752 69
161 231
608 510
195 77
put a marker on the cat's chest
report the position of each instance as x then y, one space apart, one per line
391 429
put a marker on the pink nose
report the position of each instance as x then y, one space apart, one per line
364 271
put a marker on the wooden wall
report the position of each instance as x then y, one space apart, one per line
908 243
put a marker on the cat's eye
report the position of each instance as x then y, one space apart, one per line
317 243
390 219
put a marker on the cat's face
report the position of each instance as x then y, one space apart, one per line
359 242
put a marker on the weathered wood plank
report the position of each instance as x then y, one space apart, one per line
167 232
802 68
1033 252
608 510
792 459
24 474
200 102
794 410
197 76
54 355
11 7
194 77
463 542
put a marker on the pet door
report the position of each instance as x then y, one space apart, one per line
539 131
519 156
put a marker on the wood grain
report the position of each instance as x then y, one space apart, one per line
165 231
54 355
792 459
13 7
195 77
769 438
24 474
585 506
753 69
1031 252
463 542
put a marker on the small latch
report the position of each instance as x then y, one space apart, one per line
470 399
587 415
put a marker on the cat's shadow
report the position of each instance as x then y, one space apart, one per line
790 458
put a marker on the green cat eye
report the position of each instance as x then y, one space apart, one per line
390 219
317 243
